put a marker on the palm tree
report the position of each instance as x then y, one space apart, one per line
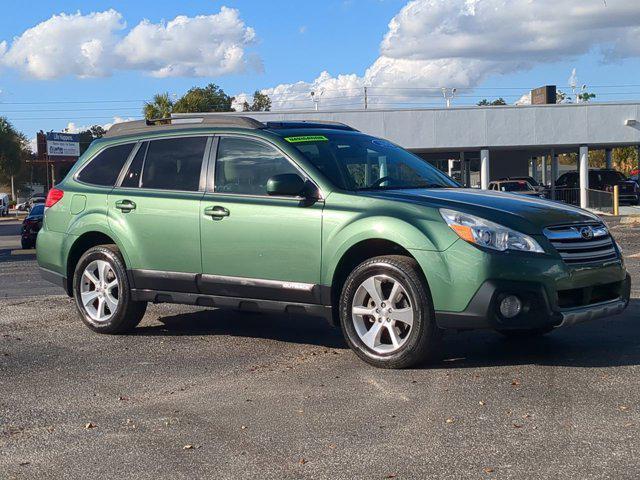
160 107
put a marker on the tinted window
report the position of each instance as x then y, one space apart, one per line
174 163
132 177
244 166
607 177
568 180
105 167
353 161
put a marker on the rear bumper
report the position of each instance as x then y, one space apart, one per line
538 311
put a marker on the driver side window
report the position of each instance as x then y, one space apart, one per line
243 166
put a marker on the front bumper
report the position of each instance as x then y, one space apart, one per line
539 310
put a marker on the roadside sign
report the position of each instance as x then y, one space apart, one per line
61 144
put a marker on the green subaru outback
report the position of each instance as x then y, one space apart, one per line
316 219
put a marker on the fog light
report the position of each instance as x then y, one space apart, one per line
510 306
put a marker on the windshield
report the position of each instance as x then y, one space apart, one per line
607 178
360 162
515 186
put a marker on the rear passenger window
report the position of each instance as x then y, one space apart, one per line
105 167
243 166
174 163
132 177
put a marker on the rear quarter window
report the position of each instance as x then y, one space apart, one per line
105 167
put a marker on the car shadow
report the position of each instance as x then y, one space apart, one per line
602 343
284 328
610 342
5 256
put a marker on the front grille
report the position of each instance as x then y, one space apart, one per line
580 244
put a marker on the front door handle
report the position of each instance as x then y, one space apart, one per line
125 205
216 212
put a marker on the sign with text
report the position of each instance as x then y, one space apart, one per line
60 144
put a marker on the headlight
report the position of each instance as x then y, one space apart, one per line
487 234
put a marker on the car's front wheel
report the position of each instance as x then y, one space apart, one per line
387 314
102 294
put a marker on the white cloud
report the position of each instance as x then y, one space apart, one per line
460 43
206 45
73 127
74 44
95 45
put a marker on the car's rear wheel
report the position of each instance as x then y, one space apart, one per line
387 314
102 293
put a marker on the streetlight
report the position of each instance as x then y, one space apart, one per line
448 94
316 99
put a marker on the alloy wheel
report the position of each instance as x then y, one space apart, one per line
99 291
382 314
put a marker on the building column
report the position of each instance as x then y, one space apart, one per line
543 170
638 157
583 164
484 168
608 162
465 172
554 173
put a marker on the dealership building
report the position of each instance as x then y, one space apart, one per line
480 144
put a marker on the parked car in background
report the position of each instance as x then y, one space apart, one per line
532 181
635 175
4 204
31 226
604 179
23 206
521 187
37 199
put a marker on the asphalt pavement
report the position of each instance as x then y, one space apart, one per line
203 393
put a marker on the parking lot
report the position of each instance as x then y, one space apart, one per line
201 393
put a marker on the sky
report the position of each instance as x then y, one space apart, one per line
70 64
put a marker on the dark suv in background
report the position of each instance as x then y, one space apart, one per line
604 179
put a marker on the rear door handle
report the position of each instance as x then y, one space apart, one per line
216 212
125 205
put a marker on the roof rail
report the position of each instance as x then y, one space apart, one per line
311 124
181 123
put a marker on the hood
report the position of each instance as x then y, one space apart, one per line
526 214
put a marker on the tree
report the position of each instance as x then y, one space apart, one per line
160 107
13 151
486 103
261 103
586 96
97 131
204 99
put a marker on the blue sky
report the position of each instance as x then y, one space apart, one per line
297 40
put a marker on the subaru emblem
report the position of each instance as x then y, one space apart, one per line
586 233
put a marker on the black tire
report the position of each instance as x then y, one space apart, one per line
526 333
423 339
128 313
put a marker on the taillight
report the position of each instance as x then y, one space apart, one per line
53 197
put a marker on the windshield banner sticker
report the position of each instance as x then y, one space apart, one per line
307 138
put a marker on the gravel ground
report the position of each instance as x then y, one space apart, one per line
197 393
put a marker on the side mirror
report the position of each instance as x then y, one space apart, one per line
286 184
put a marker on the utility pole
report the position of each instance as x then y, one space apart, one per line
13 190
366 102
